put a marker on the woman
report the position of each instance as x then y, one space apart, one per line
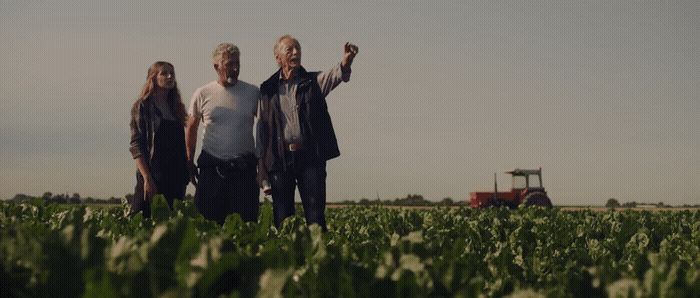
158 139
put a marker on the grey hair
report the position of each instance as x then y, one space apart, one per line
276 49
222 48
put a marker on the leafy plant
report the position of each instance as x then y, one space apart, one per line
48 250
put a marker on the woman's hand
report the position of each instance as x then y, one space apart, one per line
149 189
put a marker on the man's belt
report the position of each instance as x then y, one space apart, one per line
236 165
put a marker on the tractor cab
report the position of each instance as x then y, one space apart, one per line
527 190
526 181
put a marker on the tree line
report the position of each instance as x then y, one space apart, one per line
408 200
614 203
75 198
65 198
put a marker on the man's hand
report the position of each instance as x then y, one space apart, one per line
194 175
350 52
267 189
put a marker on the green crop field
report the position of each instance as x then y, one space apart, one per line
52 250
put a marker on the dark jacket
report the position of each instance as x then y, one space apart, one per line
314 120
145 120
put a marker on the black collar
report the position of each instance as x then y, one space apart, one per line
272 84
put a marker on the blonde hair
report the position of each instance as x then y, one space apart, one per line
177 108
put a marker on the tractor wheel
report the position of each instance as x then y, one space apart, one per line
500 203
537 199
489 204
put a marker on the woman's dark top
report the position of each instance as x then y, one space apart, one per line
167 166
169 157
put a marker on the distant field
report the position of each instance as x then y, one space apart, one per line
633 209
564 208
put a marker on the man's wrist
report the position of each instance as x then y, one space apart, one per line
345 71
345 68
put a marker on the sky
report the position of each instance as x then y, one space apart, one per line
603 95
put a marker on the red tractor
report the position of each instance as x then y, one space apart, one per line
527 191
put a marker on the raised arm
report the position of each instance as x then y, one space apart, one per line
330 79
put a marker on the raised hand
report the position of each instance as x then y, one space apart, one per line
350 52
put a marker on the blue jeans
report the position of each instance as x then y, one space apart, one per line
309 174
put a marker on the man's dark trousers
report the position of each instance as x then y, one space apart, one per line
224 189
309 174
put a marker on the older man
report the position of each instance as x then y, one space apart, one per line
295 133
227 164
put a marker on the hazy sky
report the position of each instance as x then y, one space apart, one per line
603 95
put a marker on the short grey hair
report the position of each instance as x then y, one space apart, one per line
222 48
276 49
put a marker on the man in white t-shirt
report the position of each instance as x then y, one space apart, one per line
227 164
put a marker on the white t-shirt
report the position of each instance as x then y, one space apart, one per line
228 115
